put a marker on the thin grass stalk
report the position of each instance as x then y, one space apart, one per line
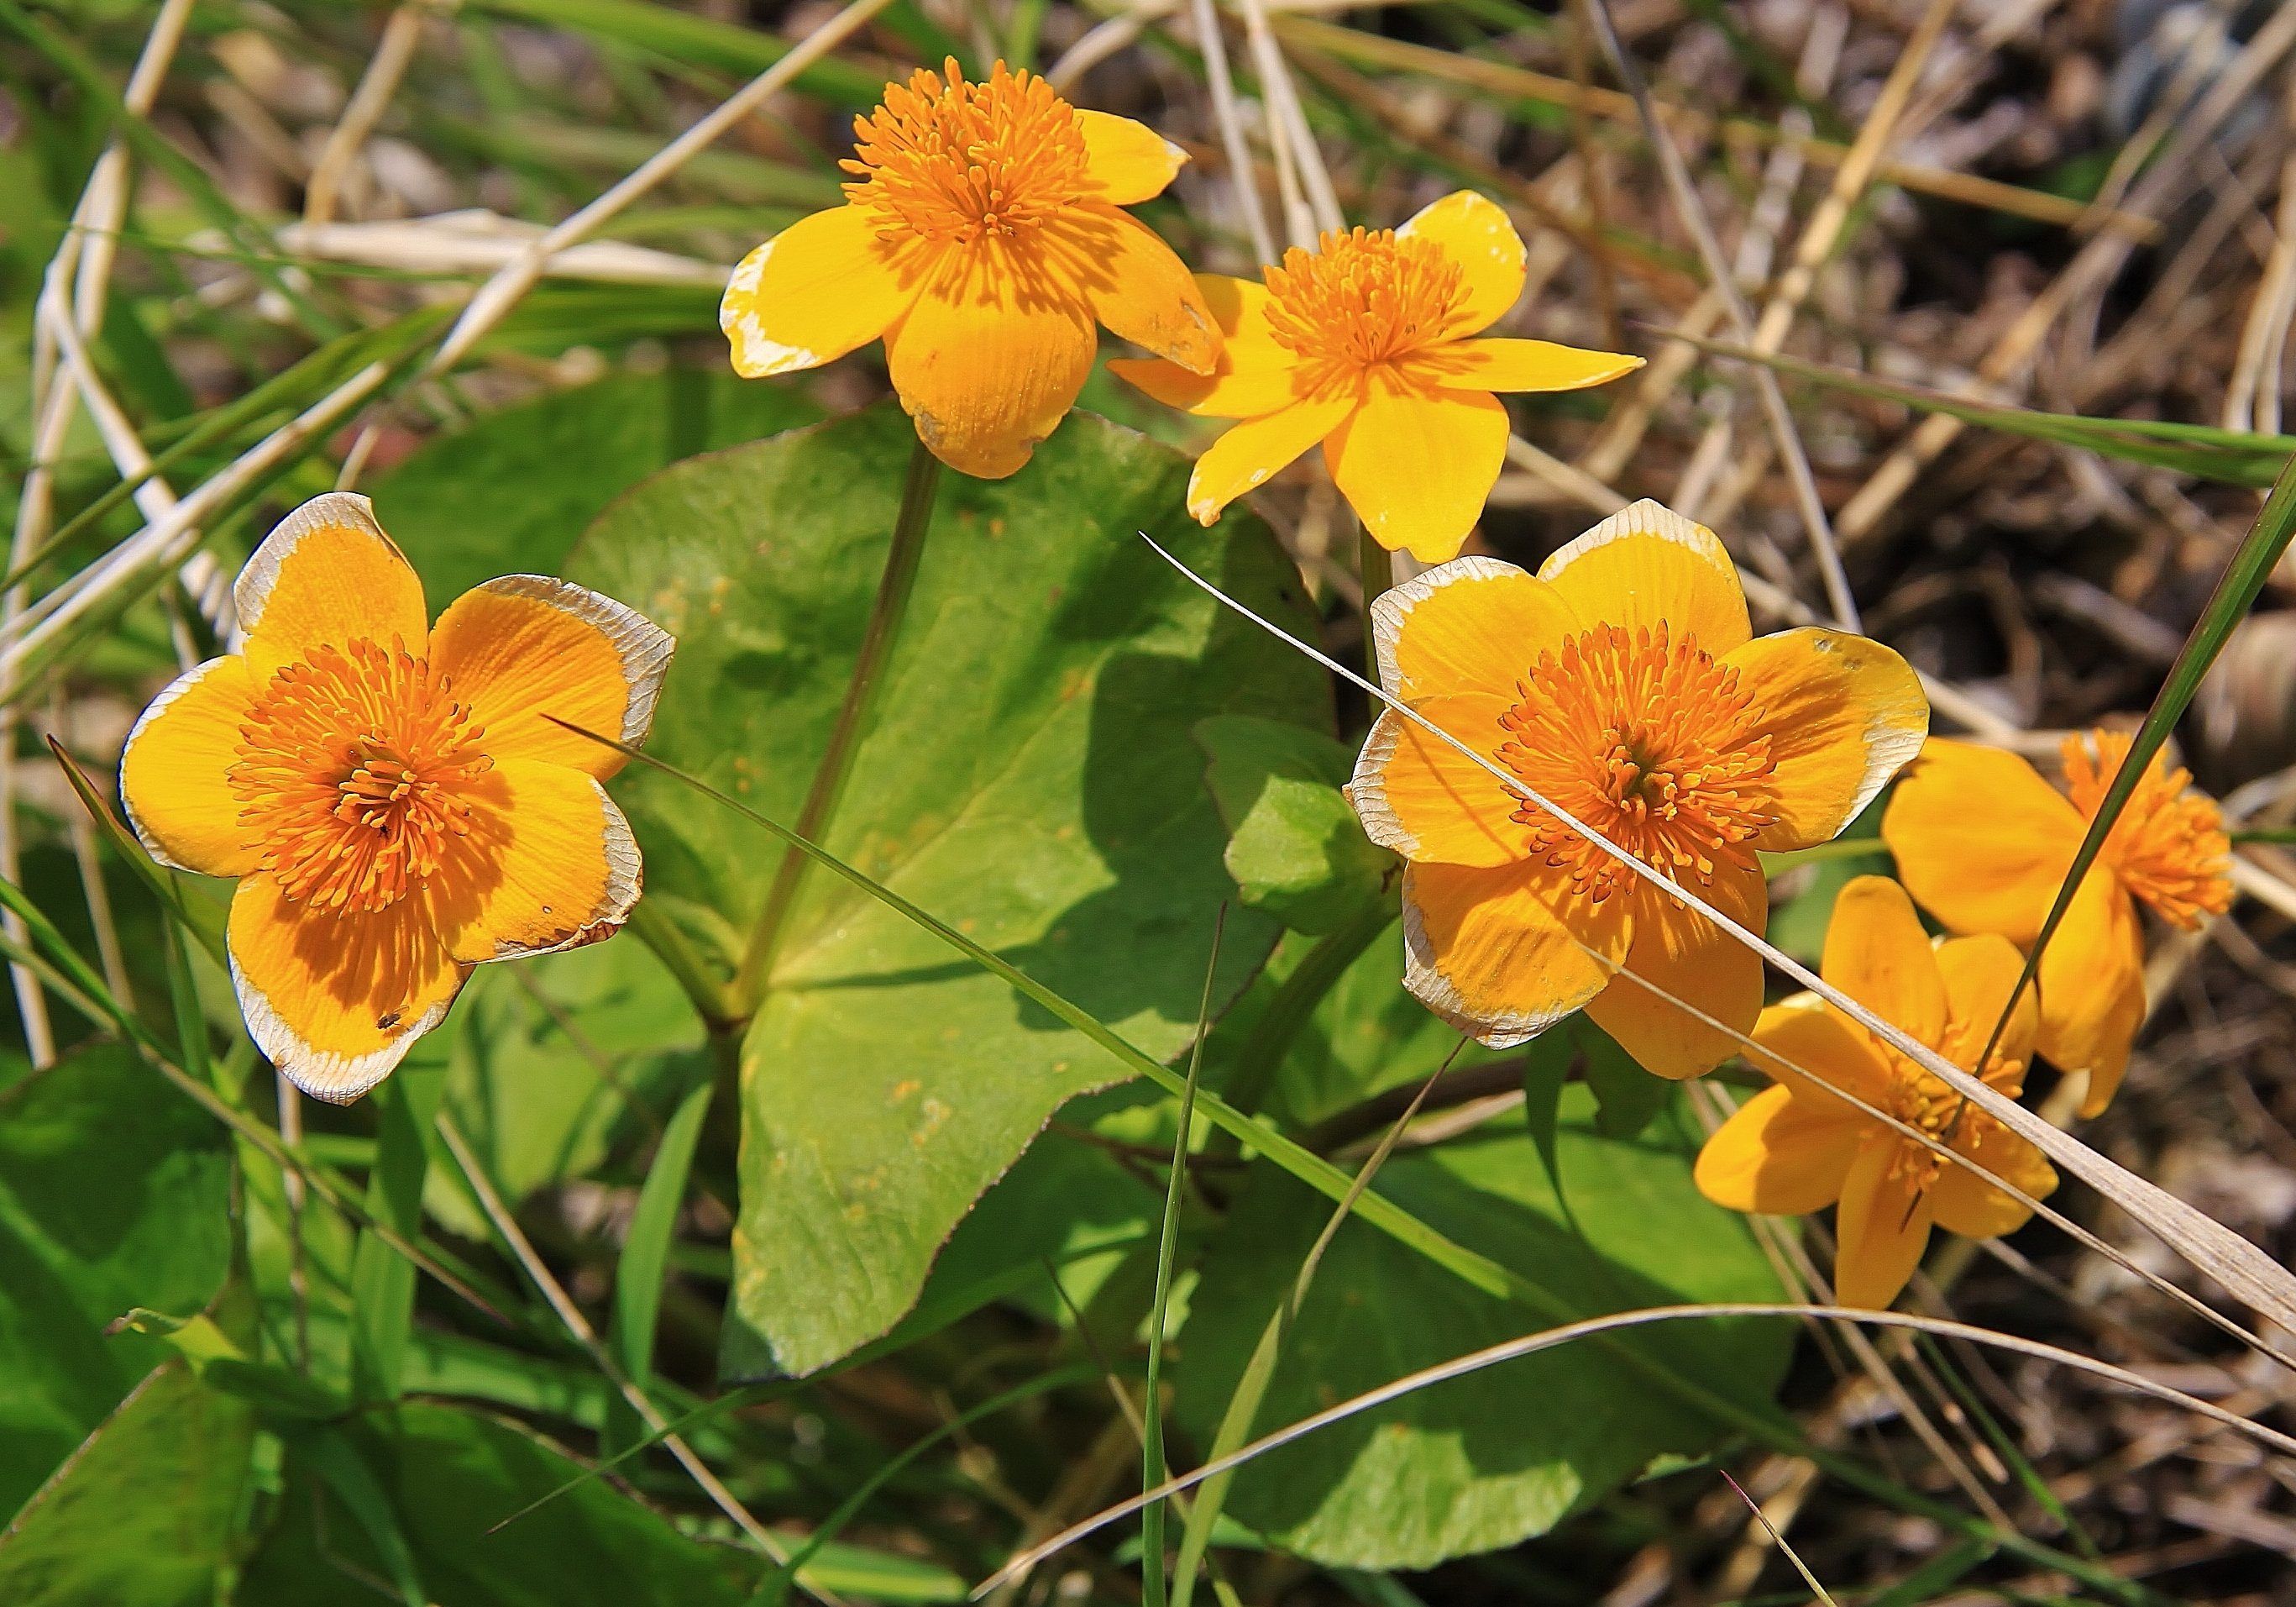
890 606
1569 1334
2209 1245
393 52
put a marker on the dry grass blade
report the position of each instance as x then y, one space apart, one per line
1569 1333
2245 1271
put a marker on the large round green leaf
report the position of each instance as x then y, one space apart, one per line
1030 778
1488 1460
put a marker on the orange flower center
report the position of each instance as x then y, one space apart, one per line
2169 846
1650 742
352 773
964 162
1922 1100
1361 300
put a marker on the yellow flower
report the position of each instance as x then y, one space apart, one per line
982 240
1624 683
1364 346
1795 1148
390 795
1983 844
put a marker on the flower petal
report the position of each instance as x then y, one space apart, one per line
1484 950
1645 565
1425 799
1981 842
549 863
1877 952
1966 1204
1882 1228
1479 236
1254 374
171 773
1257 450
813 292
1512 365
524 647
989 359
2092 979
334 999
1781 1154
1980 973
1126 161
325 576
1679 953
1417 466
1843 713
1473 624
1815 1051
1135 285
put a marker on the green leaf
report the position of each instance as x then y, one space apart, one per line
114 1193
382 1280
1628 1096
1365 1036
1295 847
142 1514
511 494
447 1476
1030 779
1486 1461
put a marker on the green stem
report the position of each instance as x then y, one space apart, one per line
893 589
685 963
1318 972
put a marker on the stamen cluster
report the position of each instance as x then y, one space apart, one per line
2168 846
1363 298
1649 740
960 162
352 771
1922 1100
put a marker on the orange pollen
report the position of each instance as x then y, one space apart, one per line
966 162
1650 742
1363 299
1922 1100
2169 846
352 773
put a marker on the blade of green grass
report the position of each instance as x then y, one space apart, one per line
340 1469
382 1280
645 1259
692 40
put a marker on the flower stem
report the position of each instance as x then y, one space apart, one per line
853 716
1376 565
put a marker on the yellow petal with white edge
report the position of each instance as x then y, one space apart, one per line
1882 1227
1877 952
171 775
336 1000
813 292
1780 1154
1981 973
525 651
1981 841
1134 285
1966 1204
549 862
989 359
1426 799
1476 233
327 576
1513 364
2092 977
1473 624
1811 1047
1254 374
1126 161
1484 950
1844 715
1646 566
1255 452
1679 958
1416 466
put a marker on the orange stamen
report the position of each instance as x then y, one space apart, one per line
962 162
352 770
2169 846
1363 299
1650 741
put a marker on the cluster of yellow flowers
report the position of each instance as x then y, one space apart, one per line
1566 754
